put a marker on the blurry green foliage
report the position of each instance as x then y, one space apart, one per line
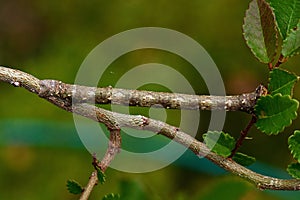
50 39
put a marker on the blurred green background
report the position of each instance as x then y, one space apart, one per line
39 147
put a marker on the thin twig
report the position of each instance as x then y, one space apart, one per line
243 135
113 149
280 61
270 66
90 186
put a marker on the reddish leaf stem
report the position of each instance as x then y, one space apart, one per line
280 61
270 65
243 135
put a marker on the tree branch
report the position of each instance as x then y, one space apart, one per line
115 121
113 149
109 95
90 186
144 123
141 98
19 79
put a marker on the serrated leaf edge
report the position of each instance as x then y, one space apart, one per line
227 135
287 31
288 170
73 183
275 30
295 154
290 122
291 82
295 81
296 51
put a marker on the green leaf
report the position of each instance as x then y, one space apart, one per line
260 31
287 14
111 196
281 82
294 170
219 142
294 145
275 113
291 45
101 176
74 187
243 159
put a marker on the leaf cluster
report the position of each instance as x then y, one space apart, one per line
272 32
270 23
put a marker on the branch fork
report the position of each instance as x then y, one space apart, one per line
79 100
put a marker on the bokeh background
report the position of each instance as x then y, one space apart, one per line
39 147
